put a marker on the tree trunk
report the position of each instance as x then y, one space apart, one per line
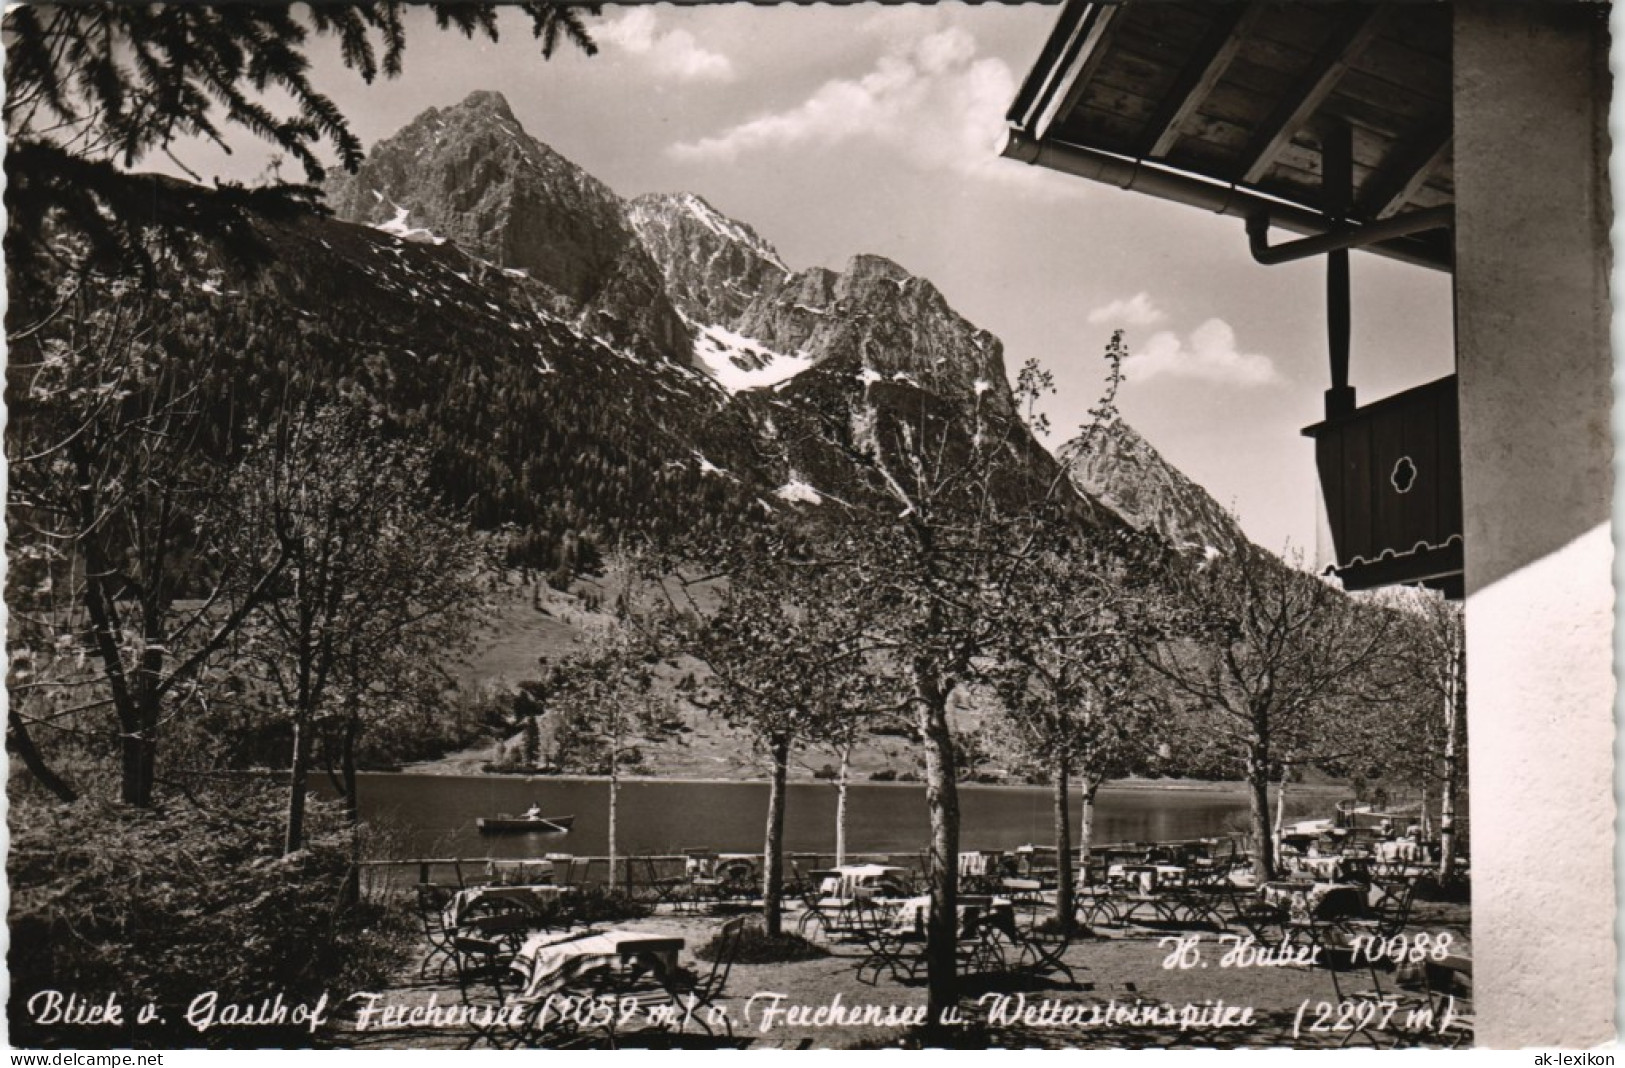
773 849
297 781
1280 801
101 603
942 802
137 756
840 804
350 892
1086 819
1063 847
143 745
19 742
352 801
614 801
138 744
1258 787
1454 709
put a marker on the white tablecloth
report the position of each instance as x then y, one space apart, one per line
846 881
1399 851
550 962
912 913
1147 877
531 898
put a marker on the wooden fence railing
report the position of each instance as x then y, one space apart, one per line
636 868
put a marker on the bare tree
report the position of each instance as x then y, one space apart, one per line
1069 688
1424 730
979 505
784 661
609 700
370 576
117 480
1274 664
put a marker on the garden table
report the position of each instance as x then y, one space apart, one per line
548 962
533 899
1309 901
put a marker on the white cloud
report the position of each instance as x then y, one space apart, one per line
1209 354
928 96
1138 310
674 53
900 24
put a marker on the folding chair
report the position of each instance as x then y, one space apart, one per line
1266 922
888 948
432 900
1042 943
818 909
1094 898
1388 913
657 888
484 972
502 920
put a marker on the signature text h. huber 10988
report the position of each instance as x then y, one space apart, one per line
1243 951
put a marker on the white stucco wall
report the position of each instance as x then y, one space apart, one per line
1531 101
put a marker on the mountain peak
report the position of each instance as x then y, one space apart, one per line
697 208
713 265
867 265
470 174
1125 472
490 101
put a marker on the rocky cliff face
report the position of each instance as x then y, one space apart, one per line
760 325
880 323
1120 469
471 175
823 351
713 266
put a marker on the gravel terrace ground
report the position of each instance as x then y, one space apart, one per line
1121 965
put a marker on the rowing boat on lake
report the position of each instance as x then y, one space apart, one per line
506 824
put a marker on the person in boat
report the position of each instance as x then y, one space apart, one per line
534 812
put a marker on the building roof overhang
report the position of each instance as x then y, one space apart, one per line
1228 106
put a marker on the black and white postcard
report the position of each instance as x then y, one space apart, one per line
782 527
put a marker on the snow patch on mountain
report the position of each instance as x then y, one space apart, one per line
740 363
798 491
406 232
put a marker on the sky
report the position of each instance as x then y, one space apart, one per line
838 130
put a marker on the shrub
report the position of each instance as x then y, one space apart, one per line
828 771
883 775
755 947
163 906
1431 888
596 903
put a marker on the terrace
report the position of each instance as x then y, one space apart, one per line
1172 945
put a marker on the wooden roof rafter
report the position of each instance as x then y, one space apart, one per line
1083 55
1226 105
1197 79
1355 31
1411 165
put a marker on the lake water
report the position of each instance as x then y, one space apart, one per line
435 814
